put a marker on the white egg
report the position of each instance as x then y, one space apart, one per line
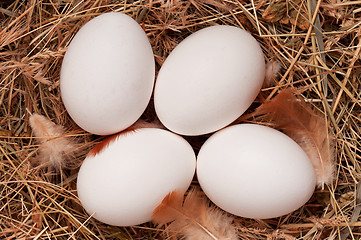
107 74
209 80
126 177
255 171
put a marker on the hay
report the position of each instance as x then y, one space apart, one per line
316 42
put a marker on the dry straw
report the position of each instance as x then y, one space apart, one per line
317 43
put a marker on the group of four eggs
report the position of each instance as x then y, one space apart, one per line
207 82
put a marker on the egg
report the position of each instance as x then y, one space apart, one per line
125 177
255 171
209 80
107 74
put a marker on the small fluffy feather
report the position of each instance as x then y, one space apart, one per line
194 219
272 69
292 115
56 151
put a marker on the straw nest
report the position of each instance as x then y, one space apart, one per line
316 42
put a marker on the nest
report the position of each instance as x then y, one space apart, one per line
317 43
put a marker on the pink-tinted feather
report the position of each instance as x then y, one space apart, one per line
272 69
56 150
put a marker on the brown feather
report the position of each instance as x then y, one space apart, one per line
132 129
56 150
101 145
289 113
194 219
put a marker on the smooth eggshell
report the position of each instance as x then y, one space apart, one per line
123 183
107 74
209 80
255 171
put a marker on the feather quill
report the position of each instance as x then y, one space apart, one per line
290 114
56 151
194 219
